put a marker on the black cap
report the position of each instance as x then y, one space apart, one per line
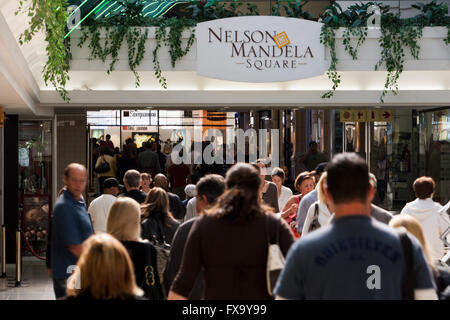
320 168
111 182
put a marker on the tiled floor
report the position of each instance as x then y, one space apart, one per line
37 285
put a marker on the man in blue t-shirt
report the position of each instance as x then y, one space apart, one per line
71 225
355 257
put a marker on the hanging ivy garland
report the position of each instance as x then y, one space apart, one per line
396 34
130 26
50 17
173 41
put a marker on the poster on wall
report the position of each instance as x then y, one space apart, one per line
179 136
260 49
97 133
141 137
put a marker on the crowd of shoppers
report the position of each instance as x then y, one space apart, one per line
110 161
214 245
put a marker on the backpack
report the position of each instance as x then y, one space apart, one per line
103 166
315 223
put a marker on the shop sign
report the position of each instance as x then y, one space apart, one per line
139 117
366 115
137 128
2 117
259 49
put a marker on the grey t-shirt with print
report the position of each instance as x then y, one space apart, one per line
340 261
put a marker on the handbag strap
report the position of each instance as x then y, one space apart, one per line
316 210
408 284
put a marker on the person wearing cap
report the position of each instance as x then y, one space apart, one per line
99 207
309 199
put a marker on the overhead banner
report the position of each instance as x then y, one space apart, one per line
259 49
366 115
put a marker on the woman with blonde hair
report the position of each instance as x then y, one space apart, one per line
318 213
104 272
412 225
159 225
124 223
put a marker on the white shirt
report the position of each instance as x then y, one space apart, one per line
98 209
323 217
432 221
285 194
191 211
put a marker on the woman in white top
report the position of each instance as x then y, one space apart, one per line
284 193
434 222
318 213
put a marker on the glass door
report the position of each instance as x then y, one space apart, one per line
369 140
378 158
434 150
355 138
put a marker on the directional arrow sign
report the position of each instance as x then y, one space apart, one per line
384 115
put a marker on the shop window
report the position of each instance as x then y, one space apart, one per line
35 177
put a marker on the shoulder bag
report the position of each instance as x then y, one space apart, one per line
275 258
162 252
103 166
315 223
152 283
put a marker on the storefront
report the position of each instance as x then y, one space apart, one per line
411 143
153 125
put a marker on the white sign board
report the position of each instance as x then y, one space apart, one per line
259 49
139 117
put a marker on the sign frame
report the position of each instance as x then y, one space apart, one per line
244 49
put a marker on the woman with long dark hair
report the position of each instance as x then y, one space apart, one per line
158 223
231 241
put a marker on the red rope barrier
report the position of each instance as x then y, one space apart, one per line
28 245
30 249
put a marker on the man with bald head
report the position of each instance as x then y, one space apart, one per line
71 225
176 206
